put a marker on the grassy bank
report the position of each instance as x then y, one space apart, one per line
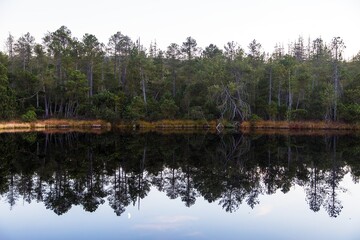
169 124
318 125
63 124
55 124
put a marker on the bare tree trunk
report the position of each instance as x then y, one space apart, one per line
91 84
102 87
123 76
143 84
24 63
119 66
115 65
46 106
279 94
60 68
37 100
290 95
336 89
174 83
270 85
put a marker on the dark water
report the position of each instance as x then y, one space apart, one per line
179 186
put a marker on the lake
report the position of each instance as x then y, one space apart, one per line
184 185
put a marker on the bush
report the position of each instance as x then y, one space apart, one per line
272 110
168 108
298 114
29 116
136 110
255 118
349 112
196 113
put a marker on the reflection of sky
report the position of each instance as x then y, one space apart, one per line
278 216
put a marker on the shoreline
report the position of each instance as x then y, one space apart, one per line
297 125
246 126
54 124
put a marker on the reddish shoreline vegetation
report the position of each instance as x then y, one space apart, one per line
54 124
297 125
61 125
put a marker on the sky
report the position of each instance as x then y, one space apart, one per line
172 21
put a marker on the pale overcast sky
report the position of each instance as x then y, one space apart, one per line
208 21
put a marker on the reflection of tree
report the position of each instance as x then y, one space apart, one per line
94 192
187 191
26 187
315 191
233 194
12 194
39 178
172 182
60 195
232 148
158 181
254 187
119 197
63 170
233 151
271 176
209 183
141 183
332 178
323 186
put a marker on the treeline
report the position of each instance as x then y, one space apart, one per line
67 77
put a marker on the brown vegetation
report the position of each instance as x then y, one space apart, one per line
170 124
163 125
55 123
319 125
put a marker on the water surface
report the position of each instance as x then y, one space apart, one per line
179 185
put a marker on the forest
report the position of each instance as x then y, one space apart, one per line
67 77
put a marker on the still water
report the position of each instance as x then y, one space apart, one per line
131 185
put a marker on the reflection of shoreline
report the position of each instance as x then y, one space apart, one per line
54 130
284 132
299 125
294 132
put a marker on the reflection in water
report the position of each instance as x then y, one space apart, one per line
62 170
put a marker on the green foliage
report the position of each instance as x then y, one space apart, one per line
168 108
297 114
272 110
104 105
153 110
107 105
136 109
350 112
196 113
67 77
7 96
315 104
76 86
255 118
29 116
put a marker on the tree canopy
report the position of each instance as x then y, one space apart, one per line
121 79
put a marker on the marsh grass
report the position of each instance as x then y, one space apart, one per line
169 124
55 123
291 125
